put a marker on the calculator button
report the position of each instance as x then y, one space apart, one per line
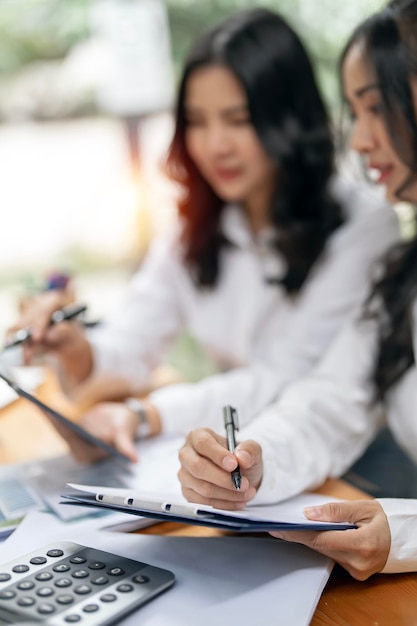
65 598
100 580
63 582
108 597
124 588
82 589
116 571
72 619
37 560
78 559
26 601
26 584
55 553
90 608
61 567
43 576
44 592
7 594
96 565
140 579
20 569
46 609
4 577
80 573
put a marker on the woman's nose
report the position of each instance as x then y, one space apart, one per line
217 140
362 138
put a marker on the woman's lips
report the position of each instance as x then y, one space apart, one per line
227 174
380 173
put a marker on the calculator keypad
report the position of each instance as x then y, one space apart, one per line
69 583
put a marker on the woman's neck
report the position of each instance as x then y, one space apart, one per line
258 213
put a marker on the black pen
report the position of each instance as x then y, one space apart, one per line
62 315
231 424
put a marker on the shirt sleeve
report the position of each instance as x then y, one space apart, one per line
338 283
135 341
401 402
402 411
322 424
402 520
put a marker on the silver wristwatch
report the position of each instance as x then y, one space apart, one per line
143 428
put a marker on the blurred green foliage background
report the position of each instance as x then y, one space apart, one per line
46 30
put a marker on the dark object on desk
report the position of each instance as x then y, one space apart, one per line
384 470
105 587
70 312
75 428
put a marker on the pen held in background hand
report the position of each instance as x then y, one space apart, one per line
231 425
68 313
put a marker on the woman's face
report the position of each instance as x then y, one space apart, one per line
221 140
370 136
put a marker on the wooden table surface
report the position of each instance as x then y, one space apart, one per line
381 601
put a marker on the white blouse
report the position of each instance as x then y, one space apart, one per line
260 337
323 424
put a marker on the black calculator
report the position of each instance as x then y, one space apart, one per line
67 583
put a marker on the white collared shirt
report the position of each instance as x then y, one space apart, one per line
324 423
260 337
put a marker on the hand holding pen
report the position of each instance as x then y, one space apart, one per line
45 328
70 312
207 466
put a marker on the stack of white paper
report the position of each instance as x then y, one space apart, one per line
229 580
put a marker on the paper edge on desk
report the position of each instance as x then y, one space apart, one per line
325 580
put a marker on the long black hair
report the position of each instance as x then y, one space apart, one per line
389 41
292 124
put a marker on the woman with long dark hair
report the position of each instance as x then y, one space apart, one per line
271 255
323 424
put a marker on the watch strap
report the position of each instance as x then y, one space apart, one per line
143 427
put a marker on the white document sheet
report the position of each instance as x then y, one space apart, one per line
245 581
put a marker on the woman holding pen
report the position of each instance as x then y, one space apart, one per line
323 424
271 254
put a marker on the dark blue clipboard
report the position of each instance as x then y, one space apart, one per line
222 521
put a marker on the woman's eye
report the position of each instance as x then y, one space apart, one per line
376 109
193 122
240 121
